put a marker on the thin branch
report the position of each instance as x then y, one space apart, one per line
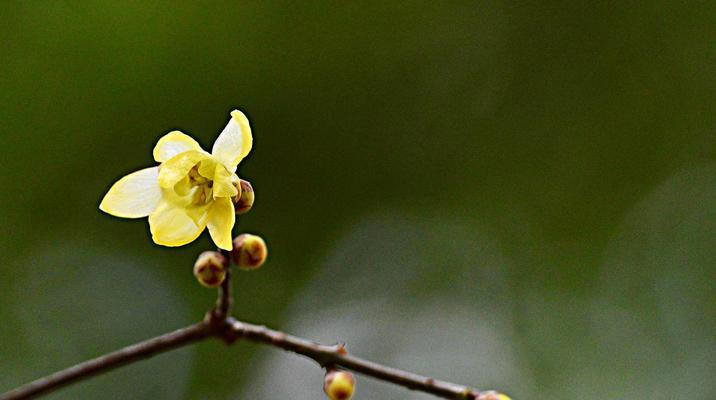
225 300
127 355
330 356
219 324
326 356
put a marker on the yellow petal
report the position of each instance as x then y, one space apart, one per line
221 222
174 143
183 187
199 213
207 167
175 169
174 226
223 186
134 196
234 142
176 197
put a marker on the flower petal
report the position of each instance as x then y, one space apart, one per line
183 187
234 142
221 222
173 226
223 186
174 143
134 196
175 169
207 167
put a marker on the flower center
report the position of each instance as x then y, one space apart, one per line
201 185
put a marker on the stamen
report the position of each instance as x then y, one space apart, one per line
204 186
195 177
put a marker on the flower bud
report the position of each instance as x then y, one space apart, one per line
245 199
210 268
339 385
249 251
492 395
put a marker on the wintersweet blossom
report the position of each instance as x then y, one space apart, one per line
189 190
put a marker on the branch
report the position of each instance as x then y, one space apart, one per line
225 299
127 355
218 323
332 356
326 356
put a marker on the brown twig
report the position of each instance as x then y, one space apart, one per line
330 356
220 324
129 354
225 300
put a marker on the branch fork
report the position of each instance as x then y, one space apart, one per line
219 323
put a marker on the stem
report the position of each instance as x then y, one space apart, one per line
337 356
225 299
218 323
127 355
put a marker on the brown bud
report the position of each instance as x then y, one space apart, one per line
339 385
245 199
249 251
210 268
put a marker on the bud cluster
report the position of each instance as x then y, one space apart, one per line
249 252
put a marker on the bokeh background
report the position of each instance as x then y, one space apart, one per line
512 195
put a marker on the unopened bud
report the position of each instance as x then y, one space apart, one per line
210 268
249 251
245 199
492 395
339 385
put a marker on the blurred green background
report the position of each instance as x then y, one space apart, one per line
510 195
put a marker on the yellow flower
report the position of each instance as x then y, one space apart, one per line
190 189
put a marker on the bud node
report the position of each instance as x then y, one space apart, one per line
210 269
249 251
244 200
339 385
